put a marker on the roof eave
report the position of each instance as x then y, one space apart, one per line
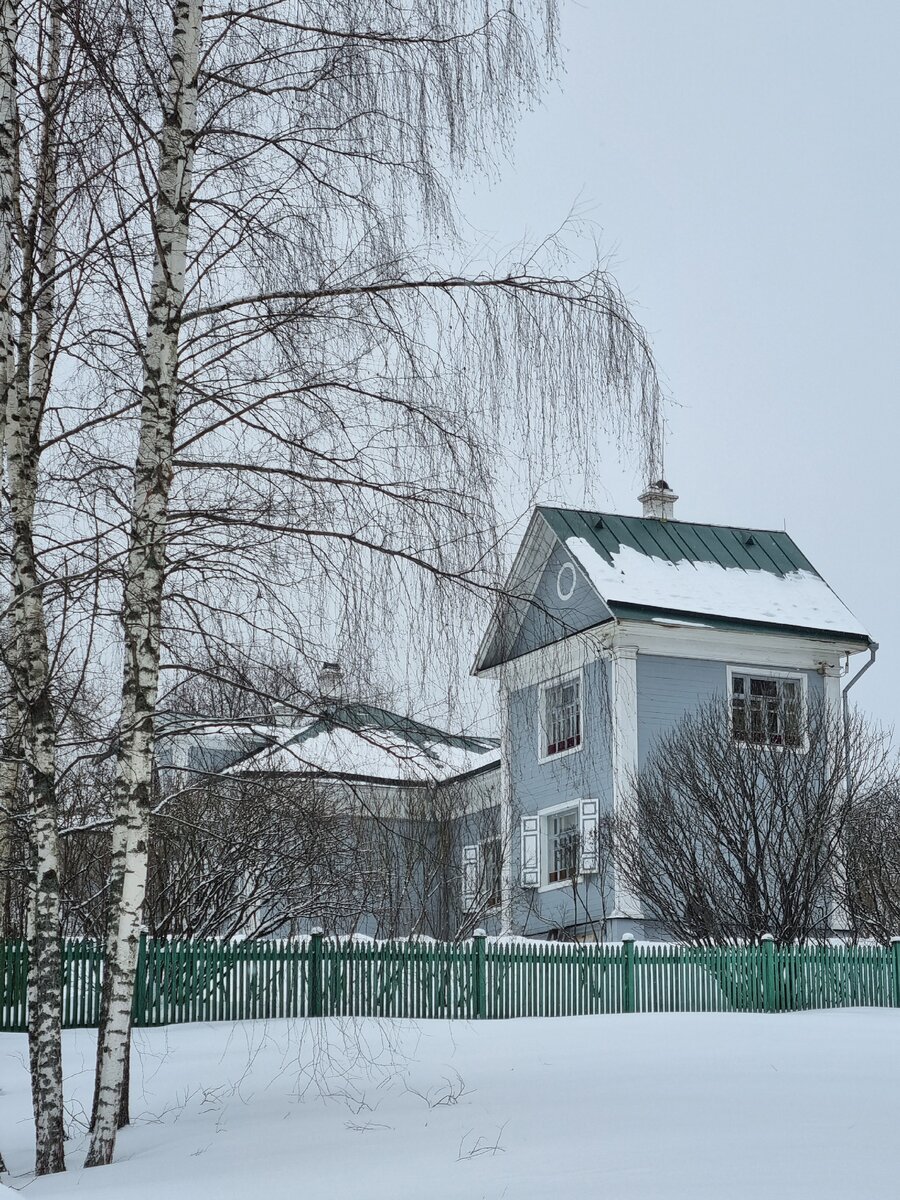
646 612
317 776
488 672
525 551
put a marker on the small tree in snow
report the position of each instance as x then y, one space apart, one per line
873 862
730 838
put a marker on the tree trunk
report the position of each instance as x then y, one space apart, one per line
9 791
26 396
9 771
145 578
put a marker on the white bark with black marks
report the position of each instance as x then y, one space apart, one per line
146 570
27 347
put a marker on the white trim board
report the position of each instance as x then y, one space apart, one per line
624 757
674 640
507 832
735 646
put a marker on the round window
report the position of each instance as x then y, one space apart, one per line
565 581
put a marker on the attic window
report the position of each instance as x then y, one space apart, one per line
766 710
565 581
561 717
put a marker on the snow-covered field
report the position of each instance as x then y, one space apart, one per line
681 1106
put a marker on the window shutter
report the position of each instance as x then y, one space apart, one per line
531 852
590 851
471 855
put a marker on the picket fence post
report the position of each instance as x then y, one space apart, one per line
628 998
768 965
895 971
314 980
480 973
139 1009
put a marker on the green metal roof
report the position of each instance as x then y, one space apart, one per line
362 742
358 717
727 546
678 542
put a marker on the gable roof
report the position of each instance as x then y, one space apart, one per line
369 744
647 569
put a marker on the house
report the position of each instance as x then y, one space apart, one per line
398 804
612 629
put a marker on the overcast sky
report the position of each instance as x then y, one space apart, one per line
742 162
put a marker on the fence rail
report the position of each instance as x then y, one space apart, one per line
180 981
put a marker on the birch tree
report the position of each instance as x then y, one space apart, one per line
29 215
47 153
26 397
328 399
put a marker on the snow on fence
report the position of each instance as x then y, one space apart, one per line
483 978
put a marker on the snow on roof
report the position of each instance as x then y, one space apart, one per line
367 743
800 598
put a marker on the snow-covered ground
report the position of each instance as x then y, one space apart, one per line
684 1106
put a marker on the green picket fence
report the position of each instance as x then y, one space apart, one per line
180 981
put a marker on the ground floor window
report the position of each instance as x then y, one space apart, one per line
492 870
482 876
562 845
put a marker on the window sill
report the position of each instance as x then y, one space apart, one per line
547 758
563 883
803 748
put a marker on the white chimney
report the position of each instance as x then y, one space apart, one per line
330 680
658 501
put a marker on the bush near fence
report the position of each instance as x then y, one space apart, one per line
483 978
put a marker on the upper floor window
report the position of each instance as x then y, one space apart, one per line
767 710
561 724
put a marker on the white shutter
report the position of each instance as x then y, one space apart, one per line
590 851
471 855
531 852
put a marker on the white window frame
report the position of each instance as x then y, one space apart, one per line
587 809
768 673
544 841
543 689
546 817
474 897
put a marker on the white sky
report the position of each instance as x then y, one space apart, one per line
742 162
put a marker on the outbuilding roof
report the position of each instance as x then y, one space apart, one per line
363 742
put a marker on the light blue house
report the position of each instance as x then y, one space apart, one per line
613 629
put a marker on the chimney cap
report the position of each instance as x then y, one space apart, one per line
658 501
330 680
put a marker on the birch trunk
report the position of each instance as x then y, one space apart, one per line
7 177
145 577
28 385
9 791
9 767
